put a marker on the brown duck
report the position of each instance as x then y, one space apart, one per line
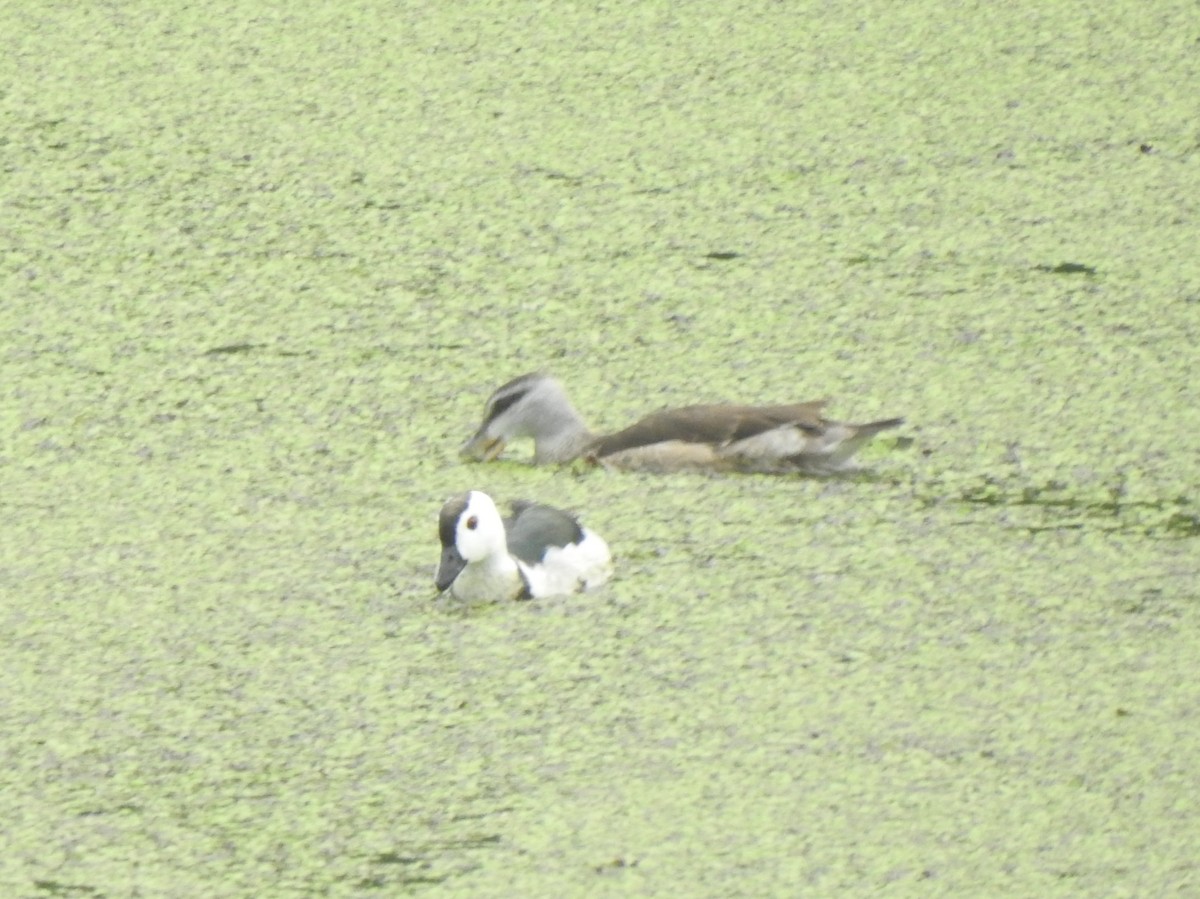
770 439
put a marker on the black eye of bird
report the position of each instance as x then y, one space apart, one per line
472 523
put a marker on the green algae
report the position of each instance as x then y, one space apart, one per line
262 266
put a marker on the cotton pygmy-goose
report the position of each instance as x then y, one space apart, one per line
538 551
769 439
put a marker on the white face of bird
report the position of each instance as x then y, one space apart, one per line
480 529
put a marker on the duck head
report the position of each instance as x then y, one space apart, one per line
471 530
536 406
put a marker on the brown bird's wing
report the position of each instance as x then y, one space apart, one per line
714 425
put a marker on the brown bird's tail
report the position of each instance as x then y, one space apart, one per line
869 430
844 442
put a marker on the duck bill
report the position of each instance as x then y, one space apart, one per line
449 567
482 448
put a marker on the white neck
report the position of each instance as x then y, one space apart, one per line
495 578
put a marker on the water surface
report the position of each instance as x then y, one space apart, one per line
261 268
